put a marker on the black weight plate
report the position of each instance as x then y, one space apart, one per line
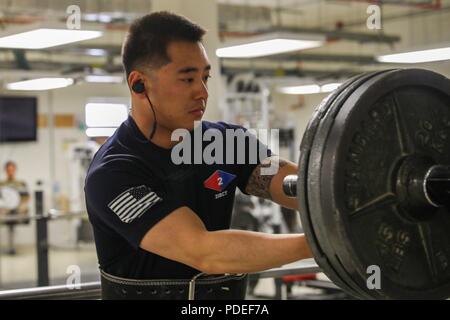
305 148
389 120
311 194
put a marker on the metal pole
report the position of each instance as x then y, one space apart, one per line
41 240
1 256
52 147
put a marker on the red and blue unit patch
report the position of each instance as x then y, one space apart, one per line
219 180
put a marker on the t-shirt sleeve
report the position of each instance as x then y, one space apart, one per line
127 203
254 152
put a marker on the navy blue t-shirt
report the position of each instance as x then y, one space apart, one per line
132 184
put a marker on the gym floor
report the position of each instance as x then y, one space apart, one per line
20 270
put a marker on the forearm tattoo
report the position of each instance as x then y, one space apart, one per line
258 184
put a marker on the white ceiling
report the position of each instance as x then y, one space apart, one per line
427 27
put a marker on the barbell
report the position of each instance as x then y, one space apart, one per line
373 185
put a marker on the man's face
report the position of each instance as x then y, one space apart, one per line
178 90
10 171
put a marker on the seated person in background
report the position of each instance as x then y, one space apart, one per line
22 209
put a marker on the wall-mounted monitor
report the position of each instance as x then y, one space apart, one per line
18 119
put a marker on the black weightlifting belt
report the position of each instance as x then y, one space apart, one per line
200 287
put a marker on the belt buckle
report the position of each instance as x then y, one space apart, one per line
191 295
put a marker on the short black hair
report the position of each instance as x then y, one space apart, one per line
10 163
148 37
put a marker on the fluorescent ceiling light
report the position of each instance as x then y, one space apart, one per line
306 89
105 114
270 44
103 79
92 17
46 38
309 89
105 17
100 132
40 84
330 87
96 52
429 55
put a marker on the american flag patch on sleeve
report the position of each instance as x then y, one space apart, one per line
132 203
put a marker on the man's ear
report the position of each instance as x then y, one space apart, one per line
134 77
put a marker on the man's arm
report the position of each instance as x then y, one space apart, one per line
181 236
271 186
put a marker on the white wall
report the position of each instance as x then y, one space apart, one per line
48 158
288 108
